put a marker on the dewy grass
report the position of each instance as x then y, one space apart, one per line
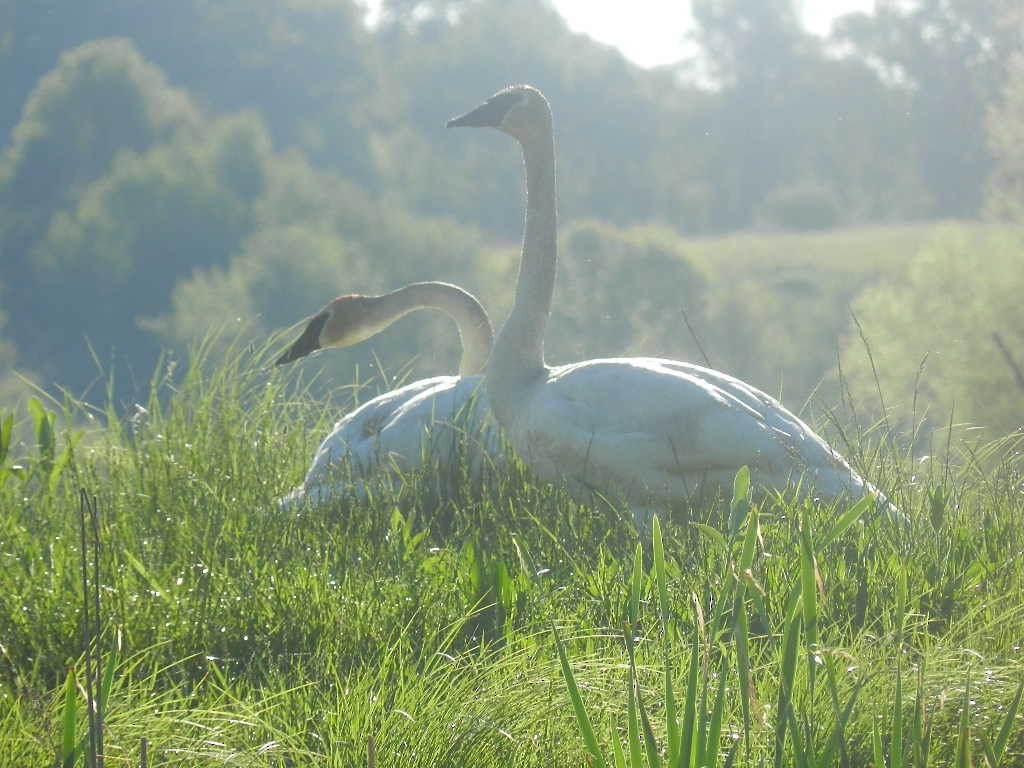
418 620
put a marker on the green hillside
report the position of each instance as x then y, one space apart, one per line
421 629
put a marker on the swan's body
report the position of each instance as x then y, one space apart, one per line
646 432
654 433
441 419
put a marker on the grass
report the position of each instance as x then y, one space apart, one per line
778 305
505 627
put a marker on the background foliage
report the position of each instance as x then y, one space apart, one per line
173 167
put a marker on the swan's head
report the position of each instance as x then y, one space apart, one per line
521 111
345 321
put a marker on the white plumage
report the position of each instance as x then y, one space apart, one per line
646 432
439 420
654 433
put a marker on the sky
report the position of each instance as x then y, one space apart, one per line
652 32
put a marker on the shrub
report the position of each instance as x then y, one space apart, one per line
805 205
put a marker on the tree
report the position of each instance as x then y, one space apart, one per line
1006 141
627 133
948 57
314 236
749 41
623 292
786 115
116 254
102 98
960 292
276 275
304 64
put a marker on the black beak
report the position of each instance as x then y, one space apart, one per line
487 115
307 343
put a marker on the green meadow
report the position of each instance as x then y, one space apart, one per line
440 621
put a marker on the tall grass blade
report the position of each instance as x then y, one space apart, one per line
69 737
876 746
742 643
963 739
671 721
661 580
636 753
920 730
739 508
688 746
96 723
142 571
809 613
90 620
650 745
618 756
659 572
749 545
703 713
708 753
6 429
741 626
108 672
836 743
844 521
990 756
42 425
809 597
635 588
582 719
1009 720
787 674
796 739
896 739
712 534
901 602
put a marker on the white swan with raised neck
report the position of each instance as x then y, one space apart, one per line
645 432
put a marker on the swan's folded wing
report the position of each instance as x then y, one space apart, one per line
645 425
772 411
440 420
355 438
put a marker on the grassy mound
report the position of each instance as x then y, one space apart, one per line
502 625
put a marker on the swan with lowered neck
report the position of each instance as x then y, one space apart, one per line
646 432
432 419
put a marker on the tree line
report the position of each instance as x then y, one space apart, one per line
175 165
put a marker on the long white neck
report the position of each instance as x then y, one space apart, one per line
461 306
518 356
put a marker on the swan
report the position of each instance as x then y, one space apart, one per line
394 433
642 432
